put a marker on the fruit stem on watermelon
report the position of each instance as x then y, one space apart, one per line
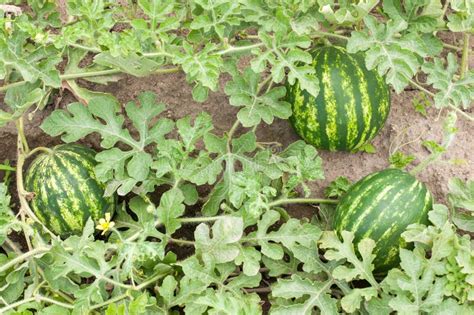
38 149
302 200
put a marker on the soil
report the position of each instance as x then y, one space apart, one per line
173 90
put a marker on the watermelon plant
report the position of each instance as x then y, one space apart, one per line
173 215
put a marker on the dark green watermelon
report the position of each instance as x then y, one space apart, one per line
352 105
381 206
66 189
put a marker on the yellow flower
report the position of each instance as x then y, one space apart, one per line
105 224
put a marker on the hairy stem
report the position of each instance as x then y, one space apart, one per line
13 246
200 219
23 257
465 55
327 34
88 74
231 133
181 242
456 48
234 49
302 200
37 298
21 134
462 113
112 300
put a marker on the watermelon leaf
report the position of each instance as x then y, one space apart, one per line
338 187
418 289
221 302
290 234
458 92
222 247
286 53
396 58
243 92
171 207
461 19
337 250
345 13
419 16
352 301
200 66
400 160
216 16
127 167
317 294
461 198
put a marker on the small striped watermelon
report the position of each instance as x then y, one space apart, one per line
351 107
380 206
66 190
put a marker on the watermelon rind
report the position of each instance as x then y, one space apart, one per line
66 190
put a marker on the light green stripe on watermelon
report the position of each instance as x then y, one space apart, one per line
365 104
331 107
386 200
382 197
92 188
46 198
362 191
72 206
350 105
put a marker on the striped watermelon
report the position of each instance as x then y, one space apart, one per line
352 105
66 190
380 206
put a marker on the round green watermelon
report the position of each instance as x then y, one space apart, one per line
66 191
381 206
351 107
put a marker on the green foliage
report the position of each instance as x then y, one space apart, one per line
243 91
461 199
129 167
220 195
455 91
7 218
345 12
461 18
396 57
149 36
400 160
337 188
421 103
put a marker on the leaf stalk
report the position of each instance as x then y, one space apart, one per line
303 200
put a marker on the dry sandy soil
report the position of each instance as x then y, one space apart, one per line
176 93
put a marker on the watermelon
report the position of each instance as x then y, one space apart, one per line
380 206
66 190
351 107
